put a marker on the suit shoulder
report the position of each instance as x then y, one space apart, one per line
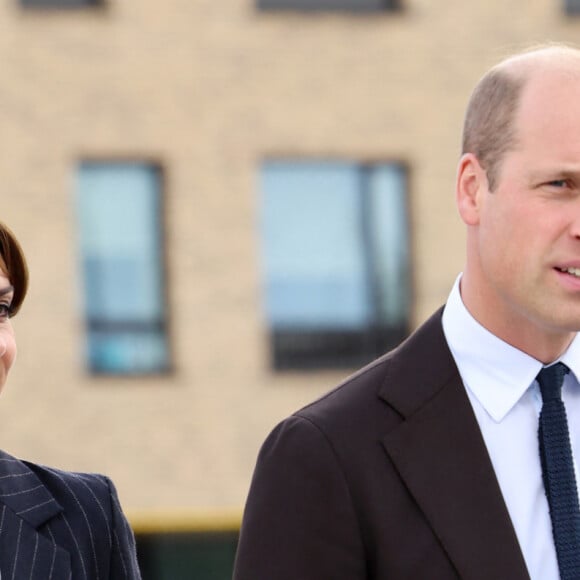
354 406
79 482
389 385
88 523
360 387
88 495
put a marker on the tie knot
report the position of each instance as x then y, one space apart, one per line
550 380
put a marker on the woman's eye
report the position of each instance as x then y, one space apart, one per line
5 311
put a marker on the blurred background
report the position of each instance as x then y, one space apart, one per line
227 207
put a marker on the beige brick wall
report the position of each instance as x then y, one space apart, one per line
209 89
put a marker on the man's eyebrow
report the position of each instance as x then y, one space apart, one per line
557 172
6 290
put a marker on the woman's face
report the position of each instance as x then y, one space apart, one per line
7 340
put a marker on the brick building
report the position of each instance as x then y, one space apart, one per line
194 183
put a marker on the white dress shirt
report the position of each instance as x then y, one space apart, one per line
499 380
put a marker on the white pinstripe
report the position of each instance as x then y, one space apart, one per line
53 553
77 546
90 530
2 520
2 527
22 491
93 477
12 475
101 507
34 507
121 554
17 550
57 514
33 557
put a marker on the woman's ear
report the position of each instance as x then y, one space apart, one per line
470 186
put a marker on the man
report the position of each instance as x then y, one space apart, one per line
426 463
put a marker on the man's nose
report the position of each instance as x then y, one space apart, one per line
575 221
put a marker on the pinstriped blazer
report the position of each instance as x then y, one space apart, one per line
58 525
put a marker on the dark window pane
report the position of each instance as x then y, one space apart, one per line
59 3
310 5
183 556
332 349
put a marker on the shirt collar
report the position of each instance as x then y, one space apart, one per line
571 358
496 373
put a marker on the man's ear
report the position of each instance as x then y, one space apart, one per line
470 186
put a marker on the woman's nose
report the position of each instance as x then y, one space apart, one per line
3 346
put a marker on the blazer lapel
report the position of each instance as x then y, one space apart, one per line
439 452
25 505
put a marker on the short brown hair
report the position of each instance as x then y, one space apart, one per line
13 264
488 130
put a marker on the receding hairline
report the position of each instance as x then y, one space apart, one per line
552 56
534 63
490 124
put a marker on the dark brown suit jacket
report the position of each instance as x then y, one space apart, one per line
386 477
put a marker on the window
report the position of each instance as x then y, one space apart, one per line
336 263
59 3
317 5
120 241
572 6
186 555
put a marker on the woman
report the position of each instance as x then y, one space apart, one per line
53 524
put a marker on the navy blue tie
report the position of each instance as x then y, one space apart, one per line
558 471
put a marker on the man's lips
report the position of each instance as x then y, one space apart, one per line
573 271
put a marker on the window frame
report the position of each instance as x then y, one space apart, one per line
62 4
375 333
353 6
572 7
164 324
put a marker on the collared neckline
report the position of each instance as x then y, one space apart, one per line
495 372
571 358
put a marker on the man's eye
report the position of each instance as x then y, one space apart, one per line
558 183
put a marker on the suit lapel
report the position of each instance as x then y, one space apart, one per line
440 454
25 505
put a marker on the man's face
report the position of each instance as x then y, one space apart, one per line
524 243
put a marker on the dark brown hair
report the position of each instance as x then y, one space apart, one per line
488 130
13 264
